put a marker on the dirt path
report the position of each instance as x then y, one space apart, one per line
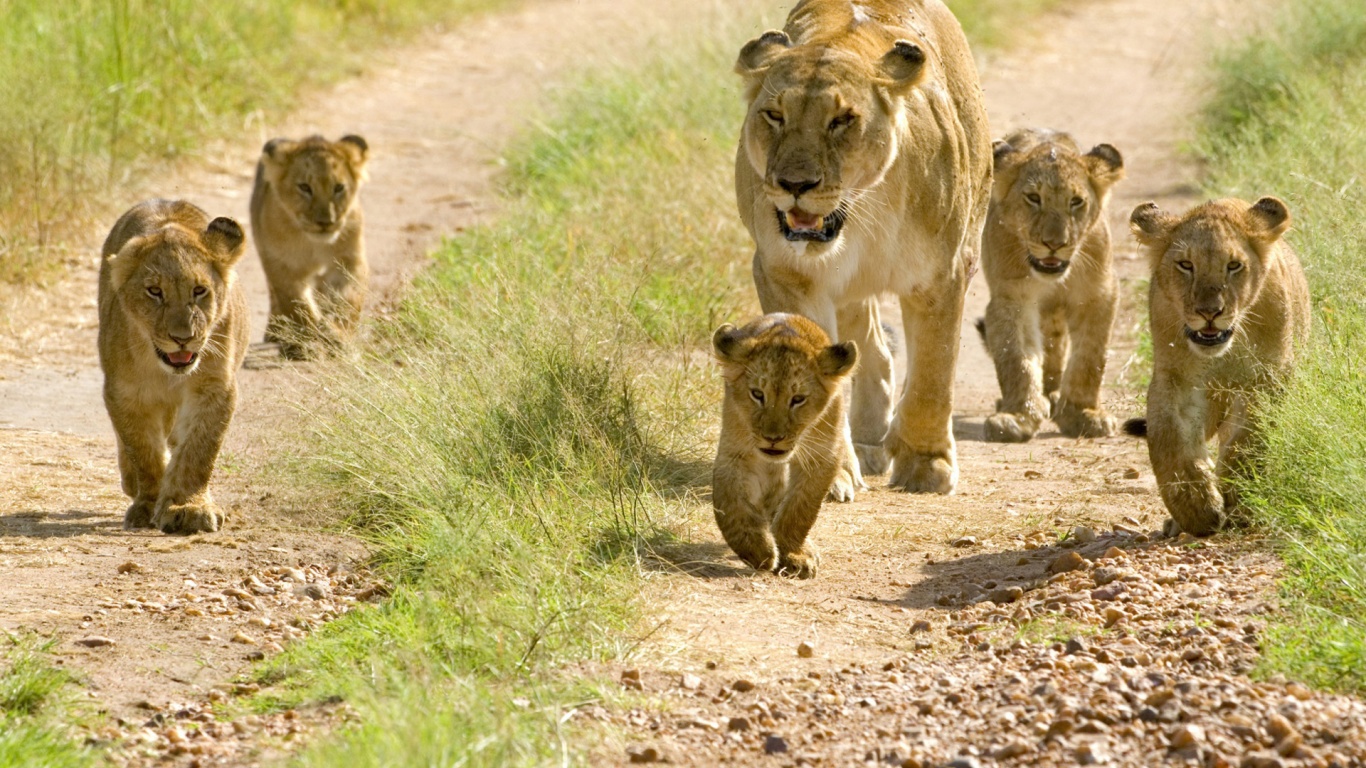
923 652
436 118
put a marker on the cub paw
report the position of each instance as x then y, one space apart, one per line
1009 428
1084 422
844 487
924 472
139 515
189 518
1195 509
872 459
799 565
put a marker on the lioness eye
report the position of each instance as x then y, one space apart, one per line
798 400
307 190
1185 266
338 190
1234 266
841 121
200 290
1077 202
773 116
757 395
1033 199
154 291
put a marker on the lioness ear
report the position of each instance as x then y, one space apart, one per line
904 64
1150 224
1268 219
838 359
224 238
757 56
1105 165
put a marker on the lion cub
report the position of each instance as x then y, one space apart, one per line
308 230
782 437
1046 255
173 332
1229 306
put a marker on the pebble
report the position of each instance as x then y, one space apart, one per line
964 541
1083 535
1066 563
742 685
643 754
1005 595
1132 473
738 724
130 567
775 744
1188 735
1092 753
95 641
690 682
244 639
805 650
630 678
921 626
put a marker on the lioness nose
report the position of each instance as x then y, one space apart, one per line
1209 312
796 187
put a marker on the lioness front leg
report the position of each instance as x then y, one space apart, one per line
924 457
1079 412
184 505
1181 462
870 412
1013 338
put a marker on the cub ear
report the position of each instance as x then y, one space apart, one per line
838 359
122 262
1268 219
1150 224
904 64
1105 165
276 150
355 148
225 240
1001 150
728 343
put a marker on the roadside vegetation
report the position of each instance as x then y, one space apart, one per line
1287 120
36 711
97 93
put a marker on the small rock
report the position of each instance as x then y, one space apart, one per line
630 678
690 681
1279 727
1104 575
1298 691
244 639
1113 553
1092 753
1107 594
1288 746
1012 750
742 685
1131 473
130 567
1261 760
738 724
1075 645
964 761
1066 562
95 641
964 541
310 591
1188 735
805 650
775 744
1083 535
920 626
1005 595
643 754
1060 727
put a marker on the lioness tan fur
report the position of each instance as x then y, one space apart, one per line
308 228
1229 306
1046 256
173 332
782 437
863 168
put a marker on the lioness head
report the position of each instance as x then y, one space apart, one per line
781 372
1050 195
316 179
820 130
1209 264
174 286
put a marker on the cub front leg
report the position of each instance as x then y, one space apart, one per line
924 457
184 505
870 410
1180 459
342 290
142 462
743 525
1013 339
1079 412
294 320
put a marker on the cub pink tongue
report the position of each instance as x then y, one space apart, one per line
184 357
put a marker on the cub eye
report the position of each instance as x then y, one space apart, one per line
200 290
1235 266
798 400
1185 266
339 190
1077 202
307 190
841 121
154 291
757 395
1033 199
773 116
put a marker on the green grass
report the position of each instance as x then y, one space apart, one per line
1287 120
95 91
35 712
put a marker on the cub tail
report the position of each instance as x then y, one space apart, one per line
1136 427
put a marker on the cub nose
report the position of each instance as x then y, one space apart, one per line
181 341
1054 246
796 187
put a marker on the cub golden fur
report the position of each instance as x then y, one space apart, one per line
308 229
863 168
1046 255
782 435
1229 306
173 332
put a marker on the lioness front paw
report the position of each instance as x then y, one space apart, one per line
923 472
800 564
1009 428
1196 508
189 518
1084 422
872 458
139 515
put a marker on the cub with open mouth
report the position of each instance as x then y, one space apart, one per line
1229 308
864 168
173 332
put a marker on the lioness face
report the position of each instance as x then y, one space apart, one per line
1209 265
317 180
174 285
820 129
1050 197
781 372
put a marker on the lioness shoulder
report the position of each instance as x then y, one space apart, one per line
1229 306
308 228
1046 256
781 437
173 332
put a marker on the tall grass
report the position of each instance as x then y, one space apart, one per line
1287 120
95 90
35 713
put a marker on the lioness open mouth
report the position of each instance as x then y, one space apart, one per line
799 226
1209 336
182 359
1050 265
776 453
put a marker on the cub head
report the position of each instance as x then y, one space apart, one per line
1049 195
821 128
781 372
316 180
1209 265
174 285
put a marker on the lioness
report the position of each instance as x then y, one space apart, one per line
173 332
1228 305
864 167
308 230
782 437
1046 255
